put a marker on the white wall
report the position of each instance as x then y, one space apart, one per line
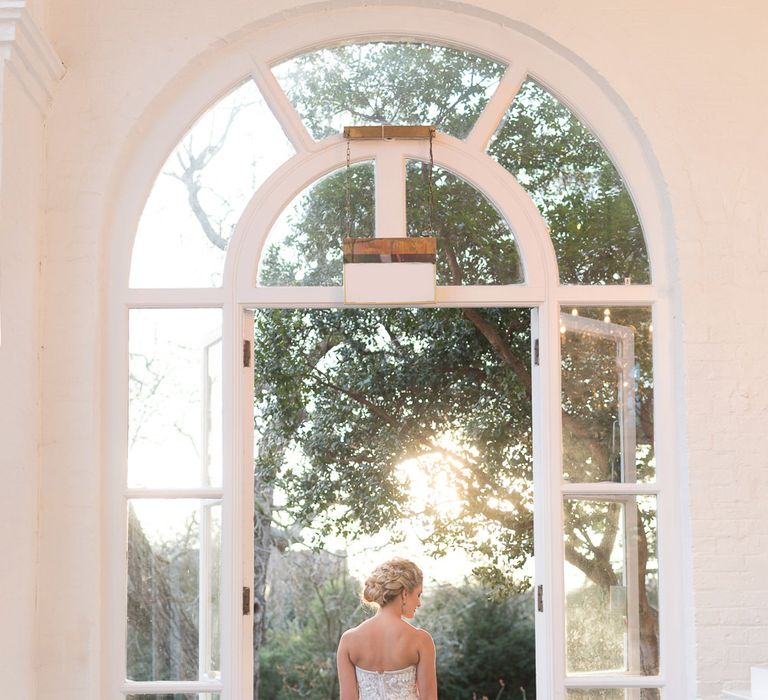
19 397
21 146
26 72
691 74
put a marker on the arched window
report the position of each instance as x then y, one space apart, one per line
203 187
544 326
593 223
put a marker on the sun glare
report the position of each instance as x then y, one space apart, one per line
431 479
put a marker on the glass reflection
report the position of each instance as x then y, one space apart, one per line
202 189
613 694
611 582
607 394
177 696
174 568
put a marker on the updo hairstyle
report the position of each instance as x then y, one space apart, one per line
390 579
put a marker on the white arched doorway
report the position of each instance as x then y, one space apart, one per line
239 293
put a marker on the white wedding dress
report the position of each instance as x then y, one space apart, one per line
387 685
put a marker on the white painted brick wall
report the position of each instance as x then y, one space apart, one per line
693 74
21 145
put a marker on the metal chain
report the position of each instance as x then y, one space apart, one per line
431 190
349 202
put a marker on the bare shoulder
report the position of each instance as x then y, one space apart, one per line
423 639
423 636
344 640
349 636
353 632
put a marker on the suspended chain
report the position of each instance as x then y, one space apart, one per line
348 197
431 189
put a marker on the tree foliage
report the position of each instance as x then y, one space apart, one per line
310 253
595 229
389 83
345 398
361 392
313 600
486 645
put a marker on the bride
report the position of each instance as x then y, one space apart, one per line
385 658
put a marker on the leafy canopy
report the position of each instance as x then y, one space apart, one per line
389 83
359 393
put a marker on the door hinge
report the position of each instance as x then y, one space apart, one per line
536 352
540 598
246 600
246 353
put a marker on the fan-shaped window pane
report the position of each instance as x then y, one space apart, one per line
202 189
595 228
389 83
474 243
304 246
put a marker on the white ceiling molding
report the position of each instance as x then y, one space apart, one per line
26 52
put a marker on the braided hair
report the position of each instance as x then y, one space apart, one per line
388 581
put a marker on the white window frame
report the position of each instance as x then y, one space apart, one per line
526 56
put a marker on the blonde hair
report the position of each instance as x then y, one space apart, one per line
388 581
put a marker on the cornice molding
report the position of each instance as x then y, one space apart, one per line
26 52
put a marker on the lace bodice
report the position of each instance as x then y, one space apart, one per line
387 685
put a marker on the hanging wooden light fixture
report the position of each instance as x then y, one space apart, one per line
383 270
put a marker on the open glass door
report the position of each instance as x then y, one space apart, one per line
609 504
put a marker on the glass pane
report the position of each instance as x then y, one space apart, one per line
304 245
389 83
210 589
174 409
174 567
613 694
593 223
611 585
202 190
607 394
474 243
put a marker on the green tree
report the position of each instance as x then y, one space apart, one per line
359 392
486 644
593 223
389 83
344 398
314 600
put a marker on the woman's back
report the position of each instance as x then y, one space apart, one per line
383 644
385 658
391 660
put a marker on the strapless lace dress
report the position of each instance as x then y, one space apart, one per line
387 685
